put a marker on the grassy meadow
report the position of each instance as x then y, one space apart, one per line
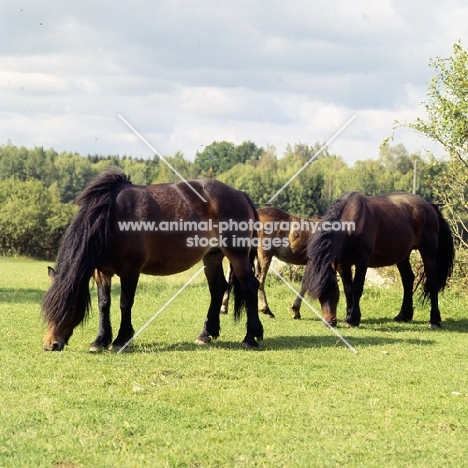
302 400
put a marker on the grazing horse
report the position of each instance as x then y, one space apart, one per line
163 229
285 237
380 231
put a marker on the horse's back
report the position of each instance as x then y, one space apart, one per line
402 222
289 229
164 229
386 227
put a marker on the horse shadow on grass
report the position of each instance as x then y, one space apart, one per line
20 295
280 343
389 325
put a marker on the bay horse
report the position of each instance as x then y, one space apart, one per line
285 237
205 216
386 229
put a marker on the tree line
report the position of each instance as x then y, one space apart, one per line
38 186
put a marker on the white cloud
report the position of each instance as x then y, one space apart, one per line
186 74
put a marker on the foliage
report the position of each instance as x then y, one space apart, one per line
446 123
257 171
32 219
221 156
261 178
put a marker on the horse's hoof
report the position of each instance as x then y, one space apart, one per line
351 324
296 317
96 349
114 348
402 319
268 313
249 345
435 326
332 323
203 341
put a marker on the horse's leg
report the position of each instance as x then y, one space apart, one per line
128 285
264 261
249 284
225 304
104 336
407 279
430 287
347 278
217 285
354 317
296 306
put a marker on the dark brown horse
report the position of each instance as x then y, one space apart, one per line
126 229
285 237
386 229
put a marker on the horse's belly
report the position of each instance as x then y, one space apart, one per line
177 262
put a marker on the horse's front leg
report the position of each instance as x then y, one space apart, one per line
128 285
104 336
347 279
354 315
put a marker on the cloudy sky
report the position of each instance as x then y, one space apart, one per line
187 73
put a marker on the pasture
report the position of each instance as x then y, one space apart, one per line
302 400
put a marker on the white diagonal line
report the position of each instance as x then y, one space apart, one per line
173 169
311 159
313 310
161 309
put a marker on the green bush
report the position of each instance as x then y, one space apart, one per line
32 218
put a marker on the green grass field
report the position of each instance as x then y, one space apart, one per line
302 400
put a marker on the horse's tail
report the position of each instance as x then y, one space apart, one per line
445 252
80 251
239 297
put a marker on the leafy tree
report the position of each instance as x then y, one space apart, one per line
32 219
163 173
261 178
221 156
73 174
446 122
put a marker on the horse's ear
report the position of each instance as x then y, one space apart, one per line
51 272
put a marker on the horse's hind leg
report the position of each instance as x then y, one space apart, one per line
104 336
217 285
263 265
128 285
249 285
225 304
296 306
407 279
430 288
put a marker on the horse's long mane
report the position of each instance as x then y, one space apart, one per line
81 248
322 251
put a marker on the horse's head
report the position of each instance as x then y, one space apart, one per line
321 283
60 323
329 300
57 336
